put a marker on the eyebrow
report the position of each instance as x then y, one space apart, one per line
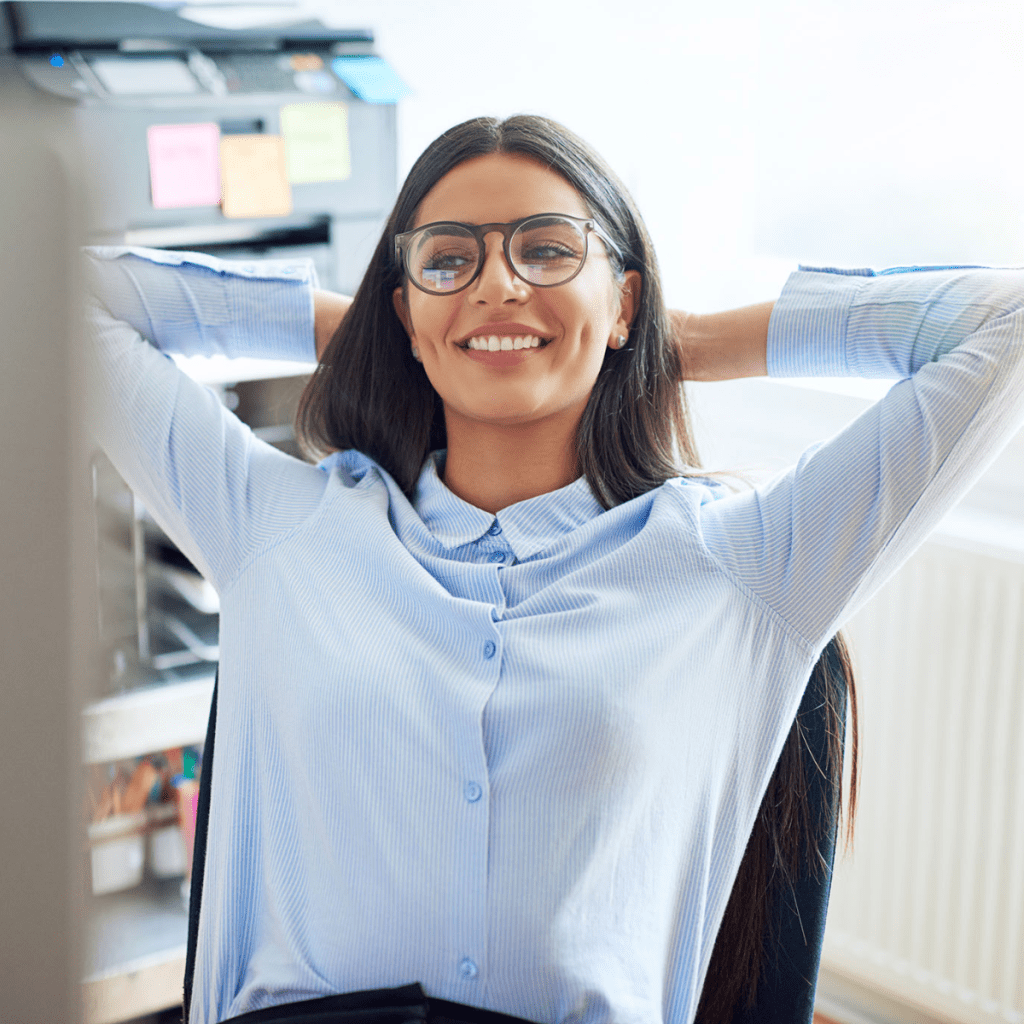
477 223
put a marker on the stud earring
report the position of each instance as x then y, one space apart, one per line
620 341
416 354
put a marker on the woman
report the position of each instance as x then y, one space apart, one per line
504 679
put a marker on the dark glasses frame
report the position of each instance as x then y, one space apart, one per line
478 231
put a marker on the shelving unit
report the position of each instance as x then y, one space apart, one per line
135 948
135 940
150 718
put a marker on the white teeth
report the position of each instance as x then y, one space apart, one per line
506 344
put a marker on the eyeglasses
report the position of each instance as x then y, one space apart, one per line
545 250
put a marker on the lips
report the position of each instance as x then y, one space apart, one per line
501 358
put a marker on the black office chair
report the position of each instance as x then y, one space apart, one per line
795 922
199 852
794 925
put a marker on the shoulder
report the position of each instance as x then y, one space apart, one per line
696 490
356 472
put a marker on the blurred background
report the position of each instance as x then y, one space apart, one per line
754 138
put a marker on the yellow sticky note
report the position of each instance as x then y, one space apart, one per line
253 178
316 142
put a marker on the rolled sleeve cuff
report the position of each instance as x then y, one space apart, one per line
808 326
208 306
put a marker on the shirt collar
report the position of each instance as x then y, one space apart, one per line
529 526
451 521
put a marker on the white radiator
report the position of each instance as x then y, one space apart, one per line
929 907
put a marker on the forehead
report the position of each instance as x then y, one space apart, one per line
497 188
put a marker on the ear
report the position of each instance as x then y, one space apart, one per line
629 300
402 311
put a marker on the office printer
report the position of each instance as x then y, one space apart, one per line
139 81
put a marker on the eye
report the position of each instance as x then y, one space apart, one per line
547 242
446 260
539 252
449 250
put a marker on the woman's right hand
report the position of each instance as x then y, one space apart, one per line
329 309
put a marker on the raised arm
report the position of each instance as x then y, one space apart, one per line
216 490
820 539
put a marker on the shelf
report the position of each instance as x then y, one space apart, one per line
147 719
222 370
135 952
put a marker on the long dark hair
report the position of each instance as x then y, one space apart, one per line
369 394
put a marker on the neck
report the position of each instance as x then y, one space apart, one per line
493 466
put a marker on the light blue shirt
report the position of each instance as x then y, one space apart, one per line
517 757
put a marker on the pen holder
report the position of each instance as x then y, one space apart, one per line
117 852
168 857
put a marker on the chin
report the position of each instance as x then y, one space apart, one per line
506 412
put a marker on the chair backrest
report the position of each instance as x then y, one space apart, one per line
795 919
199 853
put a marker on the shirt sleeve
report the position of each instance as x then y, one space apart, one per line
819 540
194 304
218 491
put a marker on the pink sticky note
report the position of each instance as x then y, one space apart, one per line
184 164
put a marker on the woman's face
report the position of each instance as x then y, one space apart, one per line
578 319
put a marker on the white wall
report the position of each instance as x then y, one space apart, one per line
869 133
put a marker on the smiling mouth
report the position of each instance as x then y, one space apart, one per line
507 343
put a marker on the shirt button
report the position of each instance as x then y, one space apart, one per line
468 969
489 648
495 529
496 556
472 791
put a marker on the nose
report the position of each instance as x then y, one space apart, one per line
497 282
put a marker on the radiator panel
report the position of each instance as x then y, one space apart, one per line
929 907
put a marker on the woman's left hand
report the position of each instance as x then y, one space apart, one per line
723 346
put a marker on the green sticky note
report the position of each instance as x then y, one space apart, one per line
316 142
